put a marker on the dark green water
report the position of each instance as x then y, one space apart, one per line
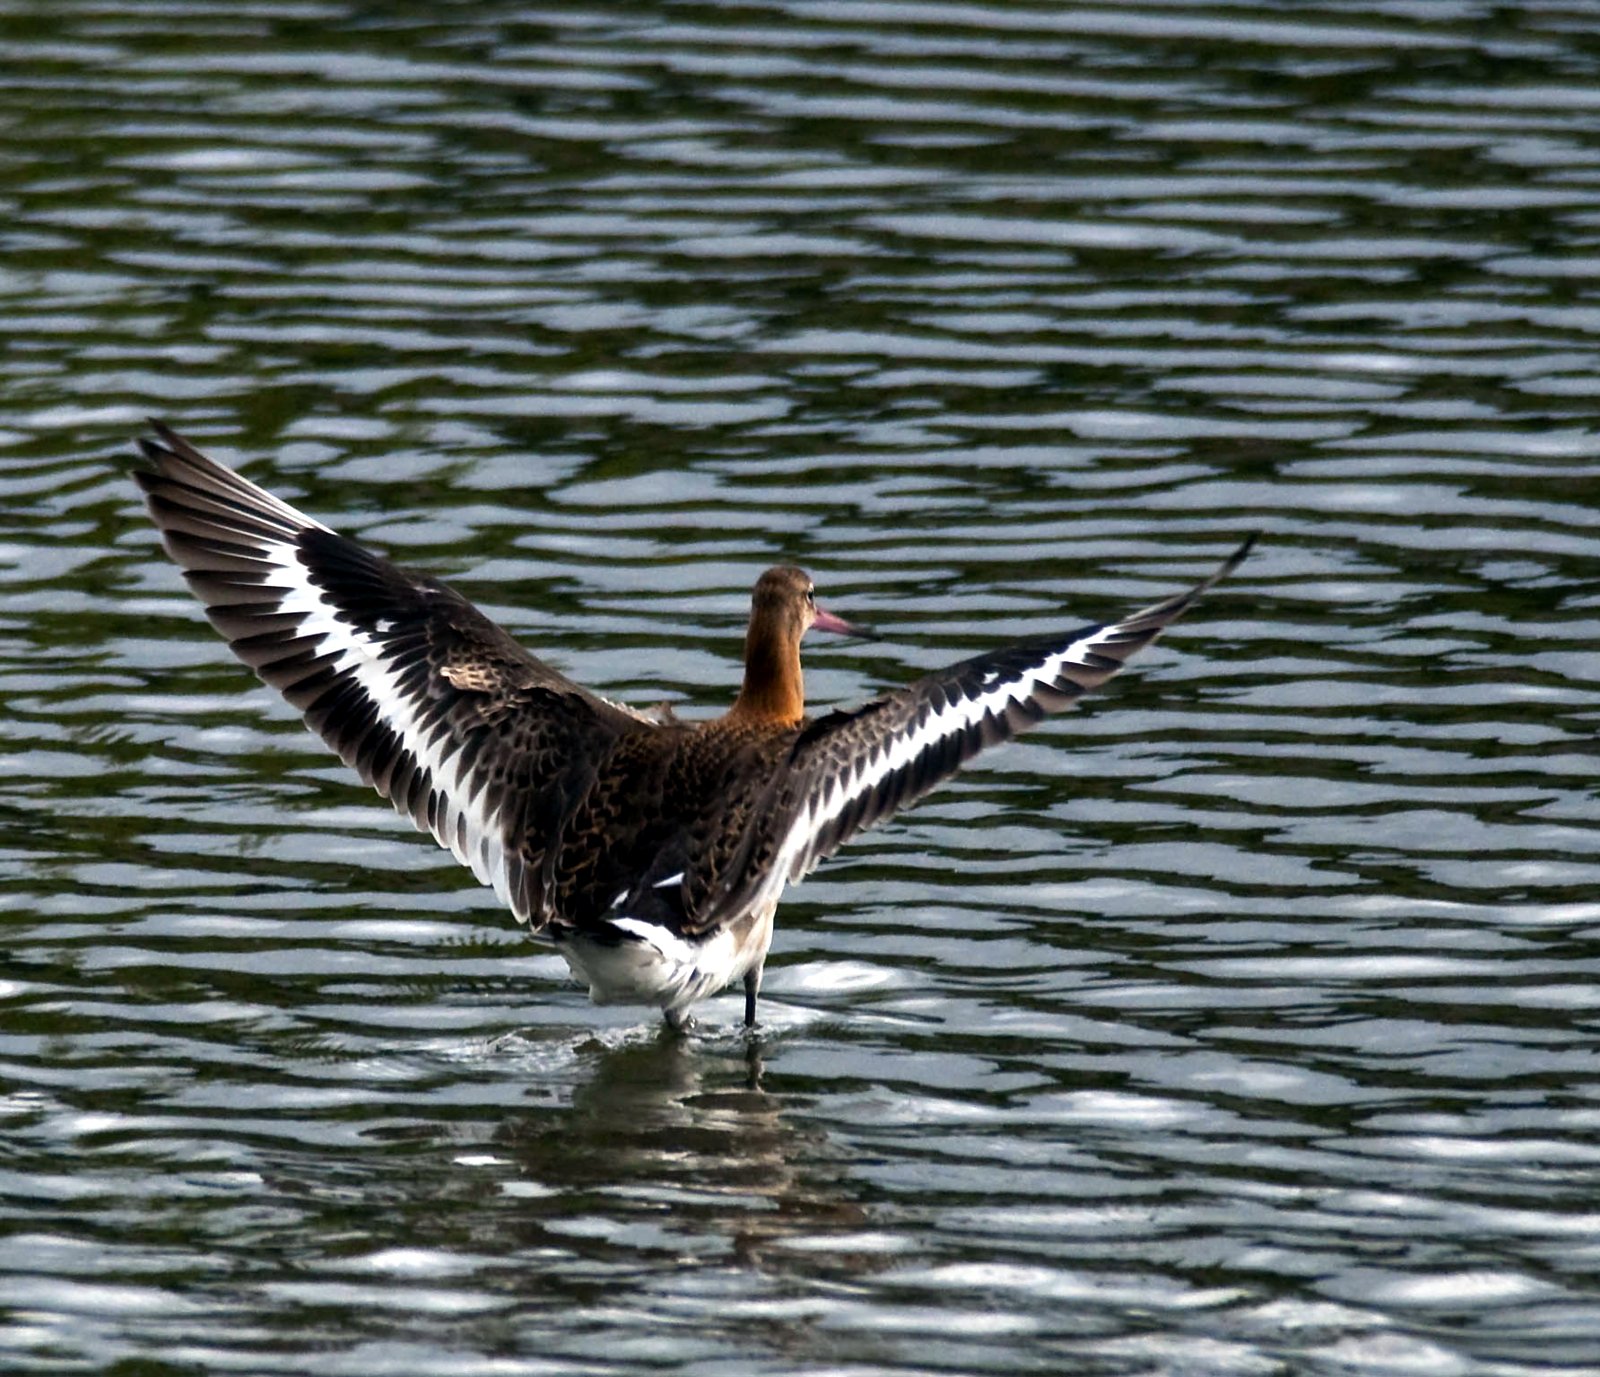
1244 1022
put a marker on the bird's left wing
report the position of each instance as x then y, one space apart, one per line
853 768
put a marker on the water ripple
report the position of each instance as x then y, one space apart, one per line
1244 1021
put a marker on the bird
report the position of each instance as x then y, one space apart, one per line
650 851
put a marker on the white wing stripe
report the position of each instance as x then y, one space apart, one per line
938 726
462 824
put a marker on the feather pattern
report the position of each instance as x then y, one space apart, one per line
474 739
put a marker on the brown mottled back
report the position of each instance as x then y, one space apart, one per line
670 801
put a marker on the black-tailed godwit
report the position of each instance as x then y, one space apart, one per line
652 852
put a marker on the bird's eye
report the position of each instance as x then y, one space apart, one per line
811 596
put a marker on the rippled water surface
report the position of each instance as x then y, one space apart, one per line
1243 1022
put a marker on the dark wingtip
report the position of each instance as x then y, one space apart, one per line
1227 566
164 432
171 454
159 448
155 453
1237 558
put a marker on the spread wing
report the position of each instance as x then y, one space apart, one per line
851 769
465 732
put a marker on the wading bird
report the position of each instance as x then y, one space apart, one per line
650 851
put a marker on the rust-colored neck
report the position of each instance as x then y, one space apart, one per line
774 689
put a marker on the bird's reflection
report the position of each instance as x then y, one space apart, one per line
674 1143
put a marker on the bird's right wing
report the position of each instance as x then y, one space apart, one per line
470 736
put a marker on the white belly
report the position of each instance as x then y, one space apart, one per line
653 966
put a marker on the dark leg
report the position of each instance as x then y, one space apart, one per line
752 987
